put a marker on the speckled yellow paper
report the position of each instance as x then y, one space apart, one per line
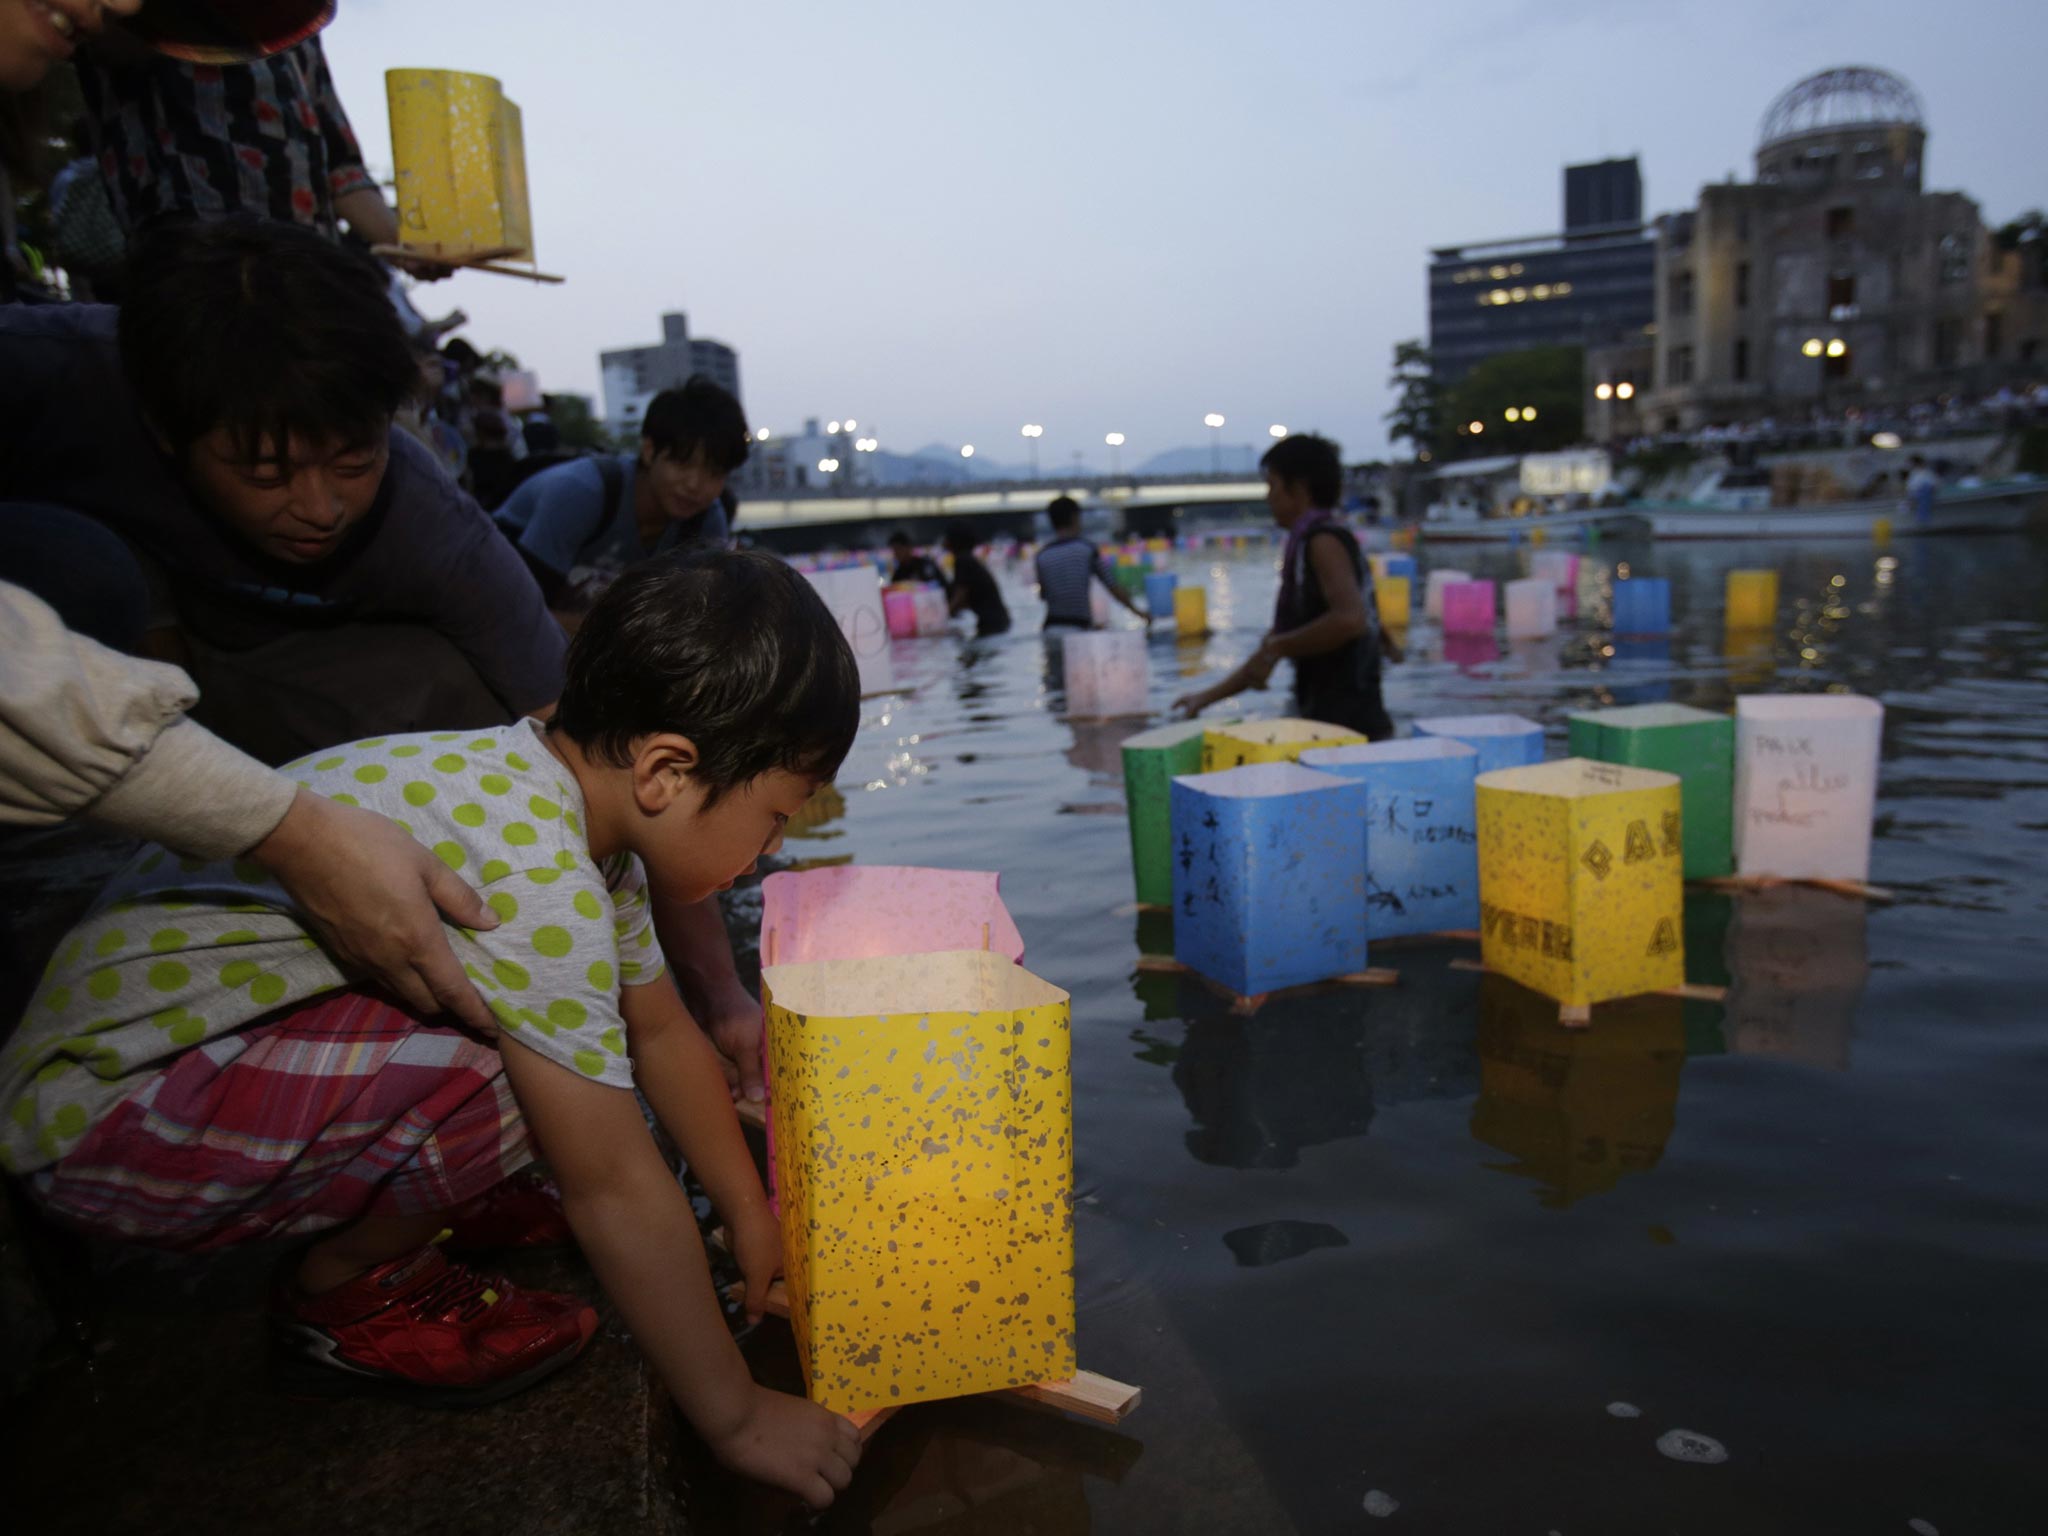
1581 879
459 148
926 1163
1269 741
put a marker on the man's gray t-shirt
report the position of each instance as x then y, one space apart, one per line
559 520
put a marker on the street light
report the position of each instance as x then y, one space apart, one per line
1813 347
1033 432
1838 348
761 436
1513 414
827 466
1214 422
850 423
1624 391
1276 430
1528 413
1603 392
832 428
967 450
1477 427
1116 442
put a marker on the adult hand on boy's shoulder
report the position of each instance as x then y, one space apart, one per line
369 893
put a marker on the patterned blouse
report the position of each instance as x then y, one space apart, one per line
268 138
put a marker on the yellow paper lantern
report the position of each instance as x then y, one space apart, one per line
1190 612
459 147
1752 599
1393 595
925 1154
1581 879
1269 741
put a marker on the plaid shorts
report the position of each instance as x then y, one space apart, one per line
344 1108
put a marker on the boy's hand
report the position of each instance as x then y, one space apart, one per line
791 1444
1189 705
757 1249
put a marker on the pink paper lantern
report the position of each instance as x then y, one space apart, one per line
1469 608
899 608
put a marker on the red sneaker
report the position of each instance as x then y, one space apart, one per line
424 1328
524 1211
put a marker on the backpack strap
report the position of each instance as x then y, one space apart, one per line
613 474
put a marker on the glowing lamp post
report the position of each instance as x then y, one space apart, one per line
1214 422
1116 443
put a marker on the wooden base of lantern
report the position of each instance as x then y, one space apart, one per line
490 259
1245 1007
1086 1396
1580 1015
1856 890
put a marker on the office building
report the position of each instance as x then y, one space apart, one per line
632 376
1591 285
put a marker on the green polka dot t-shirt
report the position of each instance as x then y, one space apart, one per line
182 952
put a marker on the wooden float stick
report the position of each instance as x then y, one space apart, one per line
1087 1395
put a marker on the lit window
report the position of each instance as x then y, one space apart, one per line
1519 294
1496 273
1559 290
1541 290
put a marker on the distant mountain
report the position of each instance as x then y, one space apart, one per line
977 468
1233 459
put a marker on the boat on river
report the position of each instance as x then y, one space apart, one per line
2004 506
1546 525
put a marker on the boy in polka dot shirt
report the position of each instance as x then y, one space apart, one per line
195 1072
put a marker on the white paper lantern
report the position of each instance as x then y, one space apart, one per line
855 598
932 616
1433 591
1106 674
1805 785
1532 608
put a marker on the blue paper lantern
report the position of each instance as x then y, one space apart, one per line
1398 565
1642 606
1159 587
1269 868
1502 741
1422 832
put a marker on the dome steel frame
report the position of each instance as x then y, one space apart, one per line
1854 96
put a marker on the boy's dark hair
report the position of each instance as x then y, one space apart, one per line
732 649
960 538
1310 462
701 414
900 536
262 328
1064 511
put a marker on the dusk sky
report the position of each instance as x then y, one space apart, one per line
948 219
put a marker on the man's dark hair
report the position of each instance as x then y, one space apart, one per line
1310 462
900 536
1064 511
960 538
732 649
701 414
264 329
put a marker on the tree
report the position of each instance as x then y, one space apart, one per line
1415 415
577 423
1552 380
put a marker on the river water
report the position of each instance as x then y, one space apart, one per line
1419 1260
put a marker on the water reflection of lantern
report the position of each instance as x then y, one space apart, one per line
1269 876
1576 1109
1799 958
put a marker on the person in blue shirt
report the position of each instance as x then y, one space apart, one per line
578 525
